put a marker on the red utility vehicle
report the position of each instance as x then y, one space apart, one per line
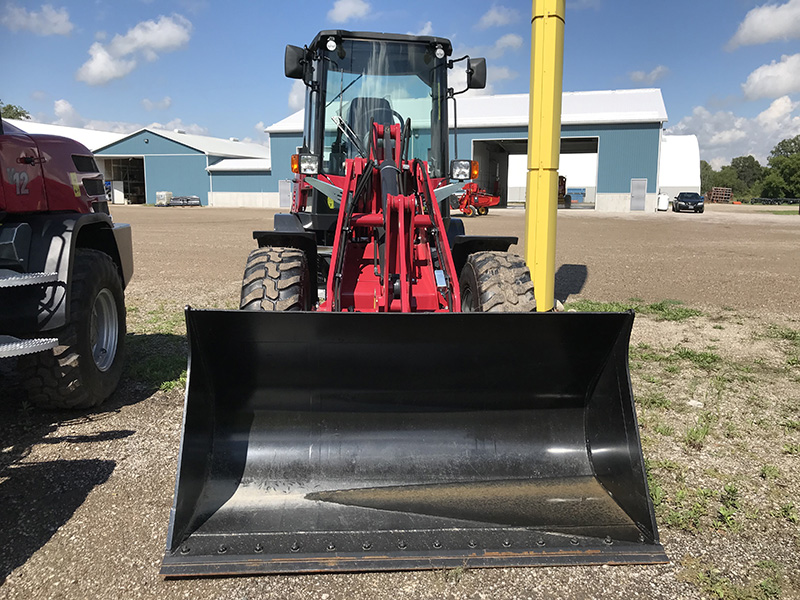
64 265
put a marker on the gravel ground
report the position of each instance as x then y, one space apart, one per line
85 497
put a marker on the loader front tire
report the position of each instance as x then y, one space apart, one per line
85 368
276 279
496 282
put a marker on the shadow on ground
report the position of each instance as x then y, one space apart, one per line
38 497
570 280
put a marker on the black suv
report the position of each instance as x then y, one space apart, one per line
688 201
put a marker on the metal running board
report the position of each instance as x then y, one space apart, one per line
9 278
11 346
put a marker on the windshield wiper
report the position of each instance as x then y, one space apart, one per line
349 85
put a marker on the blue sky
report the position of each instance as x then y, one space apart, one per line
729 69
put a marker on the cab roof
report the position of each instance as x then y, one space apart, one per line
318 42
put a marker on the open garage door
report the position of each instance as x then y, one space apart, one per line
504 168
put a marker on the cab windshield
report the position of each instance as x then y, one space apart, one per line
385 82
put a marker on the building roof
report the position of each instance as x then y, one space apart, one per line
511 110
230 165
202 143
96 140
91 138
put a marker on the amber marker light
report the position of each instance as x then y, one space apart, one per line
295 163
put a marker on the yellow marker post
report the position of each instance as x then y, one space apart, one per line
544 138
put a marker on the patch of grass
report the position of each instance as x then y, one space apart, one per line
687 519
779 332
179 383
670 310
717 326
157 360
769 472
791 425
696 436
651 379
663 429
704 360
653 400
791 448
454 576
783 212
788 511
666 310
594 306
709 580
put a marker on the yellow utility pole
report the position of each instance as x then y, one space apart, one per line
544 139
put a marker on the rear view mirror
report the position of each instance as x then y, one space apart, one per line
476 73
294 62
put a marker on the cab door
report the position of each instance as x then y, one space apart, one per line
23 181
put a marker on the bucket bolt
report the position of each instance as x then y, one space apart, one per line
574 541
295 547
366 545
437 544
330 547
259 548
185 549
402 545
472 543
506 543
608 540
540 542
222 549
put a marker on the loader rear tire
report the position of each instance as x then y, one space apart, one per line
496 282
276 279
85 368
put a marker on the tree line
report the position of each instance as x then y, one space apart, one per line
780 178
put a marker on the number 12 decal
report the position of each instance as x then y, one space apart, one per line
20 179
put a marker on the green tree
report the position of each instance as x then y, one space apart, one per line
727 177
773 186
785 148
706 177
787 170
748 169
12 111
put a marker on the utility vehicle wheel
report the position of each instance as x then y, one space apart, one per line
84 369
496 282
276 279
470 211
483 210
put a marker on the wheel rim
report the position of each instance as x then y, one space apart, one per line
467 304
105 330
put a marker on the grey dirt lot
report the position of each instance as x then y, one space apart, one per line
85 496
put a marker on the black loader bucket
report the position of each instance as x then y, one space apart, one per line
357 442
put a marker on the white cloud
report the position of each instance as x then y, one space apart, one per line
297 95
174 124
724 135
768 23
39 95
497 16
510 41
147 39
427 29
162 104
774 80
346 10
649 78
48 21
66 114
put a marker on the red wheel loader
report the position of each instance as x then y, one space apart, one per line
64 265
323 427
